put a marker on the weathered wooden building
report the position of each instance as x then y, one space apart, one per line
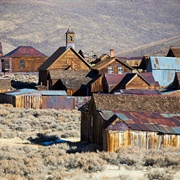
44 99
22 59
137 81
63 59
111 65
174 52
96 125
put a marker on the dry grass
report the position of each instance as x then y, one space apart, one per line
70 160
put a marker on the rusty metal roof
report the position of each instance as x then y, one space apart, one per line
24 51
53 93
165 63
20 92
114 79
155 122
148 76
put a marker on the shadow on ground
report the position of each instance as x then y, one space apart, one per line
48 140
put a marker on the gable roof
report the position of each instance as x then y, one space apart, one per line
139 103
148 76
165 63
59 52
174 52
100 65
24 51
113 79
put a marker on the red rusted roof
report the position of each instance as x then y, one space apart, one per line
24 51
141 121
148 77
114 79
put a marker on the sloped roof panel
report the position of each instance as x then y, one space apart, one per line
24 51
165 63
114 79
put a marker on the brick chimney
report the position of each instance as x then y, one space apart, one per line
111 52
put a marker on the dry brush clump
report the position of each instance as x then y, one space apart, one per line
24 123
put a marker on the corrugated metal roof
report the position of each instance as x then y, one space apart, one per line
53 93
165 63
176 129
154 122
24 51
106 114
20 92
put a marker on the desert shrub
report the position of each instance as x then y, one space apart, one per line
158 174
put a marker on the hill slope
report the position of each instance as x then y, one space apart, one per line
99 25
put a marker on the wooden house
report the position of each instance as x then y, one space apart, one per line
94 128
63 59
174 52
22 59
137 81
163 69
133 62
111 65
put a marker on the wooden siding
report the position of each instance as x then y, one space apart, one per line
66 60
136 83
142 139
115 66
31 64
97 86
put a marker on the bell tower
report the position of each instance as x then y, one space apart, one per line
70 38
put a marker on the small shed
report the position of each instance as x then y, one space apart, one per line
163 69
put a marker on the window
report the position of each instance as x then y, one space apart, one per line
120 70
110 70
6 64
22 65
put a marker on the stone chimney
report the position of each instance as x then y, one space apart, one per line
111 52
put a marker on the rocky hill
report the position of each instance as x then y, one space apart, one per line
99 25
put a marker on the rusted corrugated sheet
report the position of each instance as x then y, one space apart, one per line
57 102
142 121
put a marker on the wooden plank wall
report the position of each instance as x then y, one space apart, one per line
116 139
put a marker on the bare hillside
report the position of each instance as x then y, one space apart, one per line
99 25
